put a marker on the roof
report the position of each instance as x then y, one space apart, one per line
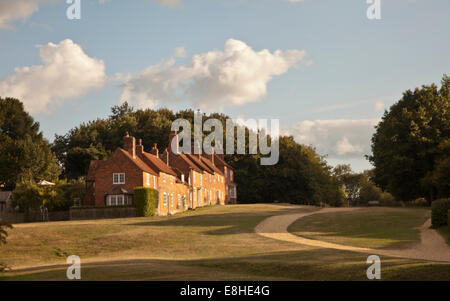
189 162
5 196
197 161
158 164
222 162
138 162
118 189
208 162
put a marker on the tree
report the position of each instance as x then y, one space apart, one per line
24 154
351 182
301 176
406 145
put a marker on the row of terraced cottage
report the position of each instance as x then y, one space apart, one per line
183 181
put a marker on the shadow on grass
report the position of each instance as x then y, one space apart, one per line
227 223
311 264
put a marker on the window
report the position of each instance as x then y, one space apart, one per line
182 178
118 178
189 180
231 175
120 200
165 199
171 179
148 179
164 178
179 200
154 182
171 200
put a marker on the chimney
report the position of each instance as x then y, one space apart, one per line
155 150
139 148
129 143
166 156
173 143
220 151
200 150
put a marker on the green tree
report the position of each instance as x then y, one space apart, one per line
351 182
406 146
24 154
301 176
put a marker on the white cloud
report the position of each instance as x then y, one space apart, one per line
12 10
67 73
235 76
339 139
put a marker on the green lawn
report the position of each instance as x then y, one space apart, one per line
214 243
366 227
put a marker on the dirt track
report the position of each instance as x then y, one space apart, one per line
431 247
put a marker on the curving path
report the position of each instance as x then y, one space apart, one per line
431 247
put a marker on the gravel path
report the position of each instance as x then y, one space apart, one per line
431 247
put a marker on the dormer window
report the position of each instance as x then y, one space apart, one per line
118 178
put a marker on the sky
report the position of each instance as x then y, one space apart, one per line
321 67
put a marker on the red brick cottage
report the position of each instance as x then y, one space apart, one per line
183 181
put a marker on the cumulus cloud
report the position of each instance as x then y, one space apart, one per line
339 139
235 76
67 73
12 10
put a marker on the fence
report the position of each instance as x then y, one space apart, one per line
85 213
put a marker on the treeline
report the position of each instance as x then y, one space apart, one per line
411 146
301 175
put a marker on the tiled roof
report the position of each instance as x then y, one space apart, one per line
118 189
197 161
138 162
207 162
158 164
189 162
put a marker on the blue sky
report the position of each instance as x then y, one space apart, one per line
342 70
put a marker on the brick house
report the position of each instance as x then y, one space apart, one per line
183 181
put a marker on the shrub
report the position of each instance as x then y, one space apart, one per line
439 212
145 200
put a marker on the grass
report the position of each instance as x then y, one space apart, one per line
213 243
367 227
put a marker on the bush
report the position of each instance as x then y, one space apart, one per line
146 200
439 212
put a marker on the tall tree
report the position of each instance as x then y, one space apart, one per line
24 154
406 148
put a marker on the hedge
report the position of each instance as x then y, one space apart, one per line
146 200
439 212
